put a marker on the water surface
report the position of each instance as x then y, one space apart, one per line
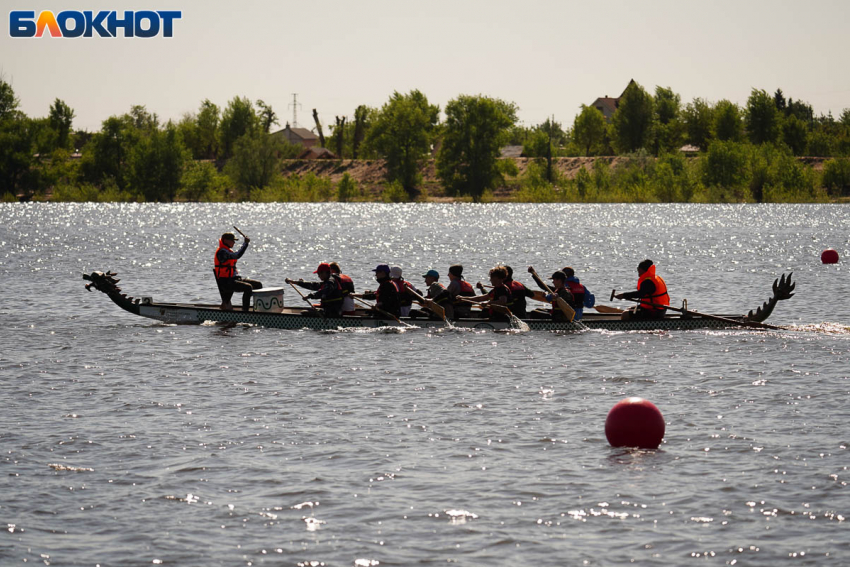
128 442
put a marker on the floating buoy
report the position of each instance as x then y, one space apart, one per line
829 256
634 422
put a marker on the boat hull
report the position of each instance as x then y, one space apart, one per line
183 314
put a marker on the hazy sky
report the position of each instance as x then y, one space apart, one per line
548 57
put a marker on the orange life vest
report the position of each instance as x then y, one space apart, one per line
226 269
660 297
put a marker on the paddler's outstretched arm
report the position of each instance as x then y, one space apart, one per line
314 286
647 288
537 280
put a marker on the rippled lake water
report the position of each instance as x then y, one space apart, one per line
128 442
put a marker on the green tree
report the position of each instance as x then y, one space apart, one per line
795 134
725 165
347 189
633 120
17 142
476 128
402 133
762 118
156 164
255 161
8 101
698 117
201 181
589 129
237 120
208 130
108 153
266 116
669 130
61 118
188 128
728 124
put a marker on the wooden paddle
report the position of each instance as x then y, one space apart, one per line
568 311
240 232
608 309
496 306
737 323
382 312
298 291
432 305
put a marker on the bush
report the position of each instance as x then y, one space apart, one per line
347 189
725 165
75 193
310 188
836 176
394 193
9 198
202 182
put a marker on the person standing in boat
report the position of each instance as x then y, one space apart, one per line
405 299
652 292
386 297
458 287
227 277
327 290
347 289
499 295
559 288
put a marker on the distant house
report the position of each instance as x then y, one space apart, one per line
511 152
298 136
608 105
316 153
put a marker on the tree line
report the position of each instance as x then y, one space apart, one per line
229 153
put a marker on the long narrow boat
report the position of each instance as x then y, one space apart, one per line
273 313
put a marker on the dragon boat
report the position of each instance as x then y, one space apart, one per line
269 311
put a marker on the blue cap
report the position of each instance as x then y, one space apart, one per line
382 268
432 273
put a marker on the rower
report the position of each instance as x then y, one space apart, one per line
582 295
227 276
386 297
458 287
652 291
436 292
347 288
405 299
559 289
519 292
565 294
328 290
499 295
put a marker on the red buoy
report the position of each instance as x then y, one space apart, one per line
634 422
829 256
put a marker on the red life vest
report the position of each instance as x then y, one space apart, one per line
660 297
226 269
346 282
394 283
577 290
504 290
466 290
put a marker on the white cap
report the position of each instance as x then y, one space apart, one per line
395 272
